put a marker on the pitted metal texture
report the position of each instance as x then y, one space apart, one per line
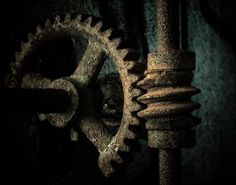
101 43
168 97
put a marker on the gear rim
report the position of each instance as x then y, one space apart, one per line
125 61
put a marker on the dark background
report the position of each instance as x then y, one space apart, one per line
208 29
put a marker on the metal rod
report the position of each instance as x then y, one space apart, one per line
168 39
169 71
167 24
34 100
170 166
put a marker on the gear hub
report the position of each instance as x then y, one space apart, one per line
101 43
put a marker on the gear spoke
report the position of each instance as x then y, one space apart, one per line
33 80
95 130
90 64
101 44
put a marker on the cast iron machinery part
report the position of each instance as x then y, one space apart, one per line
101 42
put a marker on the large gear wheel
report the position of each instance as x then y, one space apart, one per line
101 43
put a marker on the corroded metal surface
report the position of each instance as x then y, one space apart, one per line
34 81
101 43
112 101
168 97
170 166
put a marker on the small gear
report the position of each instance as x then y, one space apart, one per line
100 44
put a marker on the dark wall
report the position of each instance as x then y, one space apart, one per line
210 32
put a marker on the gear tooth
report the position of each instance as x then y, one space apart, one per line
10 81
17 56
142 84
133 55
130 64
123 53
135 120
17 66
142 99
67 18
136 107
130 135
47 23
30 36
57 19
107 33
99 25
125 147
116 42
135 78
134 67
13 67
88 20
38 29
78 17
22 44
136 92
119 159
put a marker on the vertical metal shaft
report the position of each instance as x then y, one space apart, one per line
170 166
168 39
168 24
168 84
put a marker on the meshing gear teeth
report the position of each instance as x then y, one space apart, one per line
127 66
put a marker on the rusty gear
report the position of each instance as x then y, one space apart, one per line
100 43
